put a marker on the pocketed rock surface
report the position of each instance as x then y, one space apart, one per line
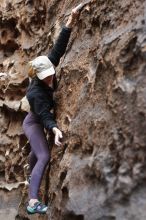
100 171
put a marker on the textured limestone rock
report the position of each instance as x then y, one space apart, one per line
99 173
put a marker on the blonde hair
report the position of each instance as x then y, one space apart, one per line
31 71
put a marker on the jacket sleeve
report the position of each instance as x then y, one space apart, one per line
60 46
41 107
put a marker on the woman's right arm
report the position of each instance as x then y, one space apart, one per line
60 46
62 41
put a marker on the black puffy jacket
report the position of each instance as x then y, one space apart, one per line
39 95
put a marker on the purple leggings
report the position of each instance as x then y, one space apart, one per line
39 155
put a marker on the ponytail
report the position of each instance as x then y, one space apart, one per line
31 71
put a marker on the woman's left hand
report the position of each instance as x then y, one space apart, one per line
58 135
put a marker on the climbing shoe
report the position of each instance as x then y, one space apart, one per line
37 208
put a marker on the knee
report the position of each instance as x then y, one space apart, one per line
45 158
25 129
24 125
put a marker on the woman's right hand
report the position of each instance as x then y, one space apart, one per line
73 17
58 135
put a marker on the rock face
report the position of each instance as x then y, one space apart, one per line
99 173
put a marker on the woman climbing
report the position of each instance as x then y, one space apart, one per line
40 97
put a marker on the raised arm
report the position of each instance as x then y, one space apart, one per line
60 46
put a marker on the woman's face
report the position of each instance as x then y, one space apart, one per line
48 80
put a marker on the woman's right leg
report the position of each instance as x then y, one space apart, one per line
32 161
35 134
40 148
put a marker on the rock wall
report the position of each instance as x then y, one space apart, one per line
99 173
